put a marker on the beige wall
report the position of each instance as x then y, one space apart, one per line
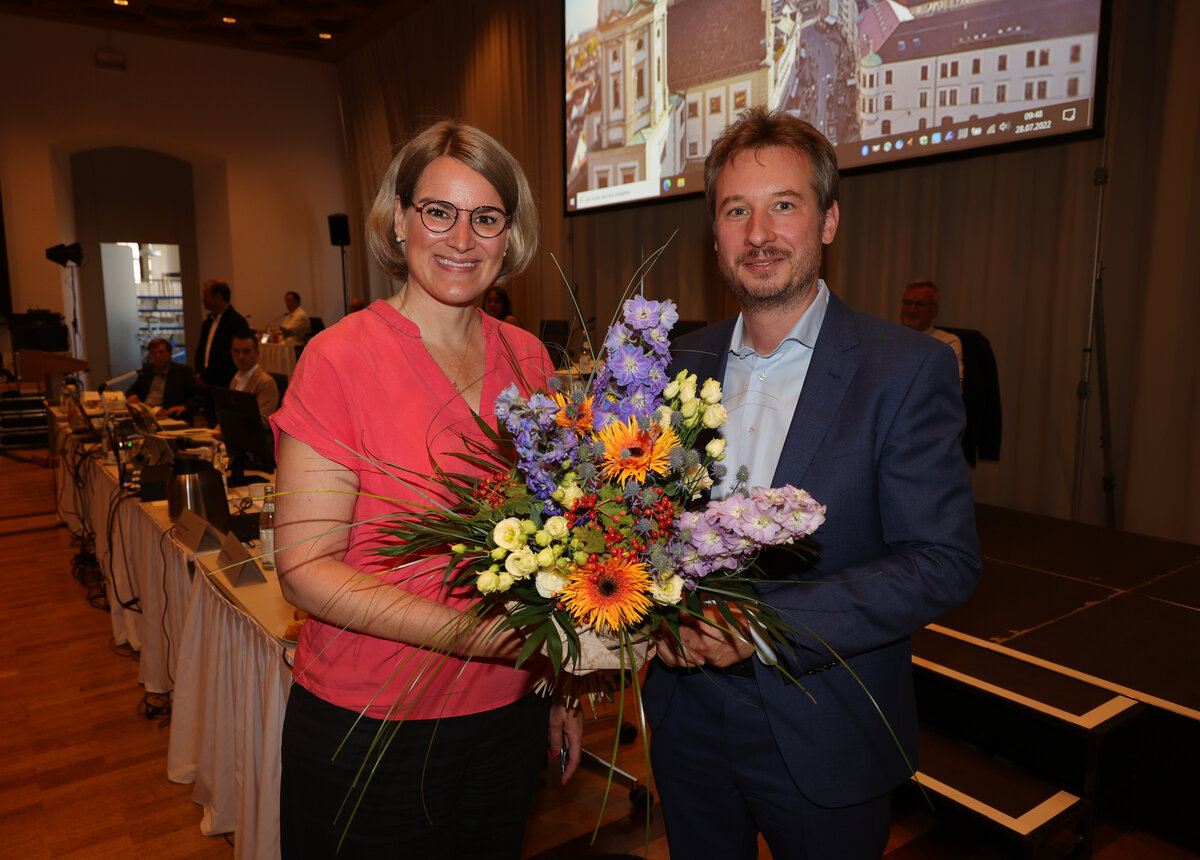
262 133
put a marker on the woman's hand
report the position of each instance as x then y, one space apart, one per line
486 638
566 730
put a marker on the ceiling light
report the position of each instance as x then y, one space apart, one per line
120 2
324 36
228 20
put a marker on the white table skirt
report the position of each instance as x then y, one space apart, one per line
230 673
231 689
278 357
162 569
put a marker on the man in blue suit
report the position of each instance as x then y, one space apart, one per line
866 415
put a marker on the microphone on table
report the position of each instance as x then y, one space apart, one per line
124 377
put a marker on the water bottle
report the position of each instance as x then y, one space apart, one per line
266 529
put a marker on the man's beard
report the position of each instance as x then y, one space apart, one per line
805 269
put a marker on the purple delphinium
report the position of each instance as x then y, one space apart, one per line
541 445
630 365
630 382
727 531
641 314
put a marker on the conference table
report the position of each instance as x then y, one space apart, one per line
278 356
212 639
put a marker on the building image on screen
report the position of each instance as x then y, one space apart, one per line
649 84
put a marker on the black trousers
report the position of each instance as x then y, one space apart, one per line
458 787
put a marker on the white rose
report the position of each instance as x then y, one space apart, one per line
711 392
507 534
698 479
714 416
687 390
545 558
487 582
571 495
669 592
549 583
715 448
558 528
505 581
521 563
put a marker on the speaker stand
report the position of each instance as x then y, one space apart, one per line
345 289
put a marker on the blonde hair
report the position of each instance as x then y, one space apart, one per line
478 151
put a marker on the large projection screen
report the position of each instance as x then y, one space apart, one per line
649 84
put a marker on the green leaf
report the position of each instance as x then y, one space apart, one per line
553 645
534 641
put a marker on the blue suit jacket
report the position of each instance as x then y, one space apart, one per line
876 438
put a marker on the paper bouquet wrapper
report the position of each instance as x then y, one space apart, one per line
602 670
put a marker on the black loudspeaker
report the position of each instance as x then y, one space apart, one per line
339 230
39 329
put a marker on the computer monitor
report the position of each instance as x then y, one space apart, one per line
143 418
556 336
247 438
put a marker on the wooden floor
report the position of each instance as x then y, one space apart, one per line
83 770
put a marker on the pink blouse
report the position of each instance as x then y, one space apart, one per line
367 394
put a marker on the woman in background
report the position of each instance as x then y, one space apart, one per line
497 304
400 384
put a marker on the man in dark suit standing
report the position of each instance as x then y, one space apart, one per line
866 415
214 361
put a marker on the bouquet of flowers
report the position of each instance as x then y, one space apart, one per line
590 531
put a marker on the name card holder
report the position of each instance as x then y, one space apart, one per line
241 567
196 533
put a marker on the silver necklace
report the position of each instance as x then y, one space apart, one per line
462 358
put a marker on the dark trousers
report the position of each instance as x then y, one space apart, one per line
722 781
458 787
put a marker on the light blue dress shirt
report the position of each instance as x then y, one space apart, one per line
760 394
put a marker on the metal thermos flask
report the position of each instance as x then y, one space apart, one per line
194 486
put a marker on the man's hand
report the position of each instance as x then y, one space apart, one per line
703 644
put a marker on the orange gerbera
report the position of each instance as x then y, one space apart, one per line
609 595
633 452
575 416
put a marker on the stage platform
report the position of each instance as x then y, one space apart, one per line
1114 609
1067 684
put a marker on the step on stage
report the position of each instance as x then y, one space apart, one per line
1069 681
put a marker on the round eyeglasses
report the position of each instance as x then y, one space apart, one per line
438 216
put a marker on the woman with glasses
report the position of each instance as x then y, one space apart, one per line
408 733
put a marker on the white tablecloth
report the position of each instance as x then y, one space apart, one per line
278 357
231 689
215 644
90 502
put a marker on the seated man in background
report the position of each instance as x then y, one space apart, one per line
162 383
295 323
918 309
250 377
